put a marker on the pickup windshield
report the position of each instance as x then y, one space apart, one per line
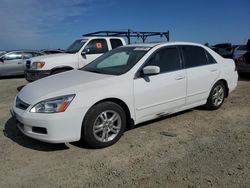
117 61
76 46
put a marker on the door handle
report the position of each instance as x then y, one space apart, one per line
180 77
213 70
19 62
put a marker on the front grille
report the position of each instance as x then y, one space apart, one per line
20 104
28 63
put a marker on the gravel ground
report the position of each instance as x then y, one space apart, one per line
211 149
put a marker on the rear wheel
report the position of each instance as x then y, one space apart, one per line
216 96
103 125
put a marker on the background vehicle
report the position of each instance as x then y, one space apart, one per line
2 52
80 53
239 51
13 62
128 85
52 51
84 51
226 46
243 62
224 53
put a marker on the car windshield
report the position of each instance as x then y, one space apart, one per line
117 61
76 46
2 53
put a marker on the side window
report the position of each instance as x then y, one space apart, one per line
27 55
97 46
194 56
168 59
13 56
115 43
34 54
210 58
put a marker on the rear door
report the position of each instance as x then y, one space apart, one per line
157 95
12 64
202 71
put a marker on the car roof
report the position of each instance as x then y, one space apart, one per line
153 44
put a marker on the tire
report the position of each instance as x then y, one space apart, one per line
216 96
98 128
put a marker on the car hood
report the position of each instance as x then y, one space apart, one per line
65 83
54 57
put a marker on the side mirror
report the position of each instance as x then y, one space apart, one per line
151 70
85 51
2 60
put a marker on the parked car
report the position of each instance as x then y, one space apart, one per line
13 62
52 51
2 52
226 46
224 53
80 53
243 64
126 86
239 51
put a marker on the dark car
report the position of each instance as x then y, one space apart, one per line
224 53
52 51
226 46
243 62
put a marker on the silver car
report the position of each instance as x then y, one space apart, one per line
13 62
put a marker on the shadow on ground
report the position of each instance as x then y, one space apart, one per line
11 77
12 132
19 88
244 77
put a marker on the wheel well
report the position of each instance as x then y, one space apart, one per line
130 121
226 86
60 68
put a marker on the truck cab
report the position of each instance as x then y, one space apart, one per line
81 52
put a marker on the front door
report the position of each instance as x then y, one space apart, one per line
160 94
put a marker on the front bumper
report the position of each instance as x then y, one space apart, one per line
52 128
32 75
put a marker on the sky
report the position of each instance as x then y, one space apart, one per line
40 24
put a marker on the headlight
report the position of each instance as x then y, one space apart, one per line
37 65
54 105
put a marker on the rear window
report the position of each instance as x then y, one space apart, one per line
194 56
115 43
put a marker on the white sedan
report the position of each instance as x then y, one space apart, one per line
124 87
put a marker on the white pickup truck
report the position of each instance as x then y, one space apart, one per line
79 54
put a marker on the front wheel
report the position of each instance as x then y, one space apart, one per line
103 125
216 96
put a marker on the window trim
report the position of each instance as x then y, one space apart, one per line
138 72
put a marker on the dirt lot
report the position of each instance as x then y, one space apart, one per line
211 149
